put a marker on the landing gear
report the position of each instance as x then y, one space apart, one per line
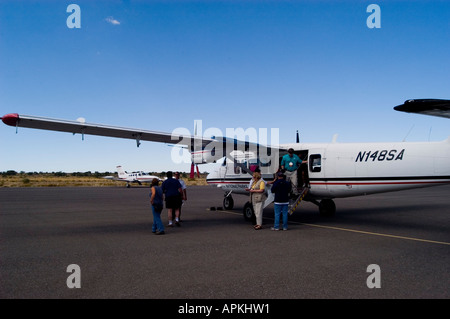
228 202
327 208
249 214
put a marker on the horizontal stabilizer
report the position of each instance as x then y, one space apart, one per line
434 107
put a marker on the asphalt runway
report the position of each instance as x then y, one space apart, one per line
218 255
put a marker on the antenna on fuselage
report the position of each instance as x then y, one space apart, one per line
408 133
297 140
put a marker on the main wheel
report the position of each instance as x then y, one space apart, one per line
228 202
327 207
249 214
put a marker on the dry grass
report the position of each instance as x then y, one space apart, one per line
48 180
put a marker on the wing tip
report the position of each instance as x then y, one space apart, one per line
10 119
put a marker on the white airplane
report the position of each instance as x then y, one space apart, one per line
334 170
133 177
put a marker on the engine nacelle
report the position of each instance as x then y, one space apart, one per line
204 156
209 153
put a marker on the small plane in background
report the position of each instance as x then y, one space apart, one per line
133 177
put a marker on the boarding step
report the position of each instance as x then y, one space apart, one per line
294 204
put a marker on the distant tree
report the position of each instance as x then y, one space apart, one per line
60 173
9 173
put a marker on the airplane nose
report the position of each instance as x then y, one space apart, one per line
11 119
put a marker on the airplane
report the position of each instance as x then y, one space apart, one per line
334 170
133 177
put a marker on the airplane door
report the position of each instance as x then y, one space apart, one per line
223 170
316 170
234 176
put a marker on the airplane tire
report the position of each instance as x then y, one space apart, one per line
228 203
249 214
327 207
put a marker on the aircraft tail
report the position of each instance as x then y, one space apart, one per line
121 172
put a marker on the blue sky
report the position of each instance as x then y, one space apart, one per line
312 66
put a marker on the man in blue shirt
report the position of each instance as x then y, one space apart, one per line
281 188
290 163
172 190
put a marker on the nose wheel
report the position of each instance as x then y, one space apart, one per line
228 202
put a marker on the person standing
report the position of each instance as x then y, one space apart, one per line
183 189
257 170
156 200
290 164
257 198
172 191
281 187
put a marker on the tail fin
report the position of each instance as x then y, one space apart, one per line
121 172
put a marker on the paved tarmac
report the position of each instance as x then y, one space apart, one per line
216 254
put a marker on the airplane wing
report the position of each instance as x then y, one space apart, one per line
434 107
113 178
195 144
83 128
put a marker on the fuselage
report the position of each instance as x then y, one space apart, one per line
137 177
351 169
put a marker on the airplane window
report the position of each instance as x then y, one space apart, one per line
315 163
267 164
237 169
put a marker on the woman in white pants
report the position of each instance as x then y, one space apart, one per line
257 198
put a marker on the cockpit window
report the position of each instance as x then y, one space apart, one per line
237 168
